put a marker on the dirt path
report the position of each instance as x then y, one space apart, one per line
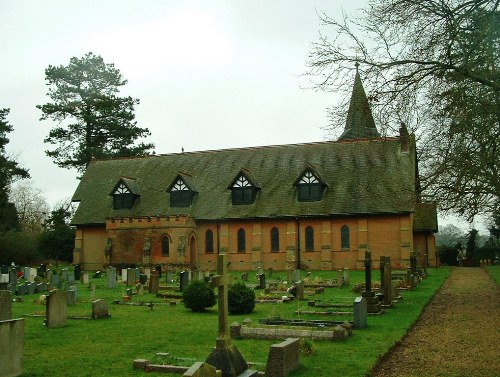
458 334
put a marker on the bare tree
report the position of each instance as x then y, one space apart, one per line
432 64
31 205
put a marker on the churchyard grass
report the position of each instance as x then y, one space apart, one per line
494 272
107 347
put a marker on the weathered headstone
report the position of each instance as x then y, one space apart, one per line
64 274
111 272
124 275
283 358
71 296
184 280
12 277
4 278
48 275
31 288
170 276
299 295
345 272
11 346
154 283
387 284
55 282
32 275
295 276
56 309
26 272
130 277
373 302
85 278
200 369
224 356
100 309
5 306
244 276
22 289
360 313
137 274
262 281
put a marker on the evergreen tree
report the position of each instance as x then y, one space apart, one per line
93 121
9 172
58 239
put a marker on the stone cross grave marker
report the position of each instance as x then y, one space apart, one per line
225 356
221 281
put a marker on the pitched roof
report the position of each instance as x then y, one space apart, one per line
362 177
359 123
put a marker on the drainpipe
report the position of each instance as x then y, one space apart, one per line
298 243
218 239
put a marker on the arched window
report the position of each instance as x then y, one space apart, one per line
209 241
165 246
309 238
241 241
344 237
275 240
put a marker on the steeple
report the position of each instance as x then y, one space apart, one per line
359 123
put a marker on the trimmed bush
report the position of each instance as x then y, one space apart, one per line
241 299
198 296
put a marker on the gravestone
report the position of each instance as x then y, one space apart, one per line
55 282
48 275
158 269
100 309
130 277
283 358
56 309
71 277
224 356
13 277
345 272
4 269
64 274
387 284
373 302
360 313
382 266
244 276
184 280
41 287
154 283
78 272
139 289
22 290
295 276
270 271
26 272
4 278
124 275
85 278
137 274
11 346
31 288
170 276
300 290
71 296
111 272
262 281
200 369
32 275
5 306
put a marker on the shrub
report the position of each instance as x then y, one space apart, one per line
241 299
198 295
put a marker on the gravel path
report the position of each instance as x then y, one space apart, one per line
458 333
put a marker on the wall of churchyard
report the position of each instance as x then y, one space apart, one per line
141 241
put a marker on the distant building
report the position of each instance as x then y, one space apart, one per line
316 205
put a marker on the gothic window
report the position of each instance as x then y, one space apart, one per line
275 240
241 240
165 246
122 197
209 241
310 189
309 238
180 194
243 192
344 237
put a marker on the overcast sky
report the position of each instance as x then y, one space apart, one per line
209 74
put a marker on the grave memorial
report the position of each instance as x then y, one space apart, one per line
5 305
56 309
225 356
372 301
11 347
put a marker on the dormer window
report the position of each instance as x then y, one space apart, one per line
123 196
310 188
180 194
243 191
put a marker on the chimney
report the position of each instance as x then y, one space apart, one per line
404 137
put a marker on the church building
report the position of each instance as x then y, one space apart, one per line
309 206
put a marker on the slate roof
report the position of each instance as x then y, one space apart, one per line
359 122
369 176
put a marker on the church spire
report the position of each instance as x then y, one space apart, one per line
359 123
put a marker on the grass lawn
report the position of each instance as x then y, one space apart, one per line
494 272
108 347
